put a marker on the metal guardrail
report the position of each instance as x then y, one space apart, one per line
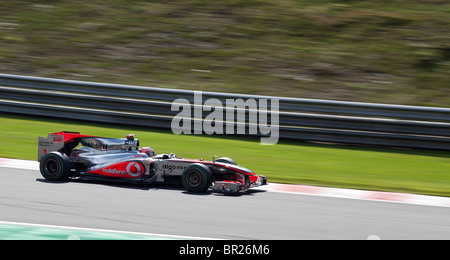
300 119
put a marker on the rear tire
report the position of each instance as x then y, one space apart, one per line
196 178
55 166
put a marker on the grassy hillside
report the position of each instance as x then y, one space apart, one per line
378 51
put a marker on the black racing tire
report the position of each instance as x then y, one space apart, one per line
226 160
196 178
55 166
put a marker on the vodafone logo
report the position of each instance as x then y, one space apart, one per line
134 169
113 171
123 169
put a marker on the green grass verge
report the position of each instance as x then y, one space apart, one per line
414 171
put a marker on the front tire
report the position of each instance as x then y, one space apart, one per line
55 166
196 178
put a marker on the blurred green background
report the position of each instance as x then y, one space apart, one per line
386 51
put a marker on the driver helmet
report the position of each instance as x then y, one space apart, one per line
148 150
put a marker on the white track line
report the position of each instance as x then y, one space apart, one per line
19 164
392 197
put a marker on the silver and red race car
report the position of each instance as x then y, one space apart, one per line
61 158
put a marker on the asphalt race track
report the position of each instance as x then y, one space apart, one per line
27 198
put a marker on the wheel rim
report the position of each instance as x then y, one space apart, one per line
51 167
194 179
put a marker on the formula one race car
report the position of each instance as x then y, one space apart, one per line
121 159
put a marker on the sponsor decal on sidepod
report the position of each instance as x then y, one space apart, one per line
132 169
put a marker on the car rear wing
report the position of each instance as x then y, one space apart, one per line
63 141
53 142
